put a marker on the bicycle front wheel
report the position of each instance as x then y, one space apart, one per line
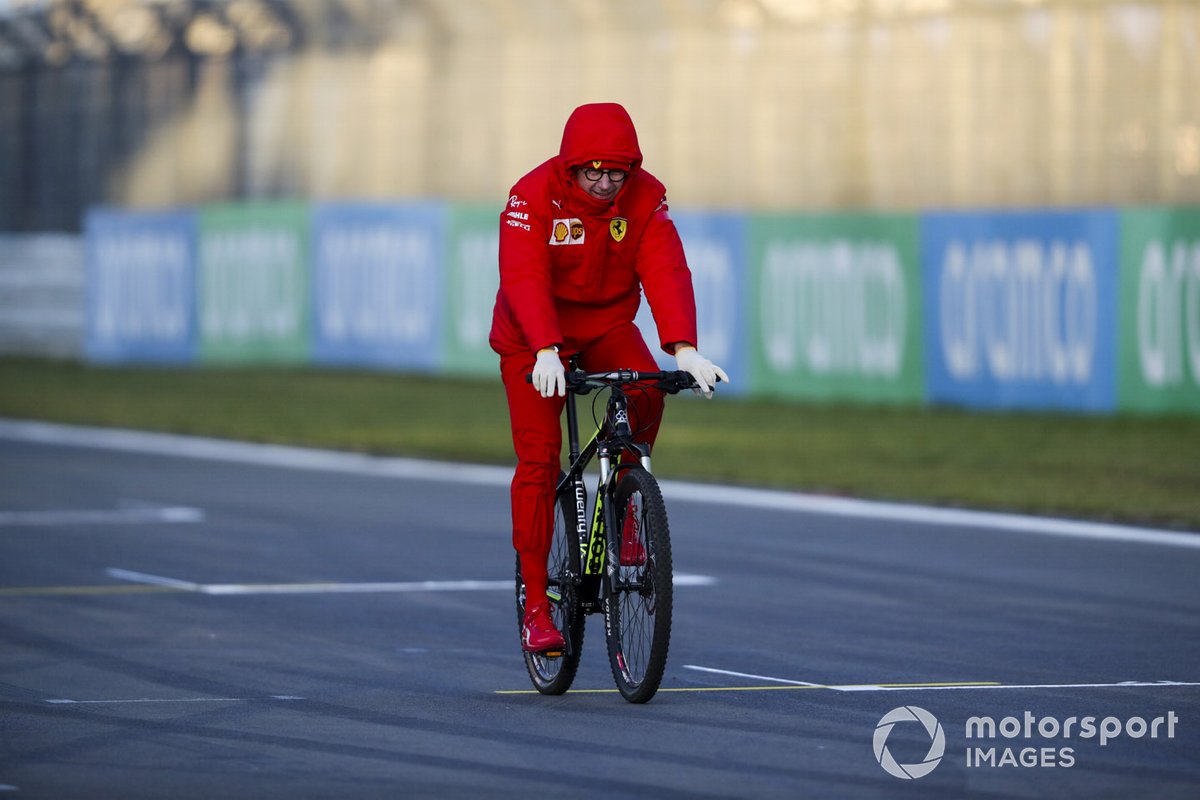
638 607
554 675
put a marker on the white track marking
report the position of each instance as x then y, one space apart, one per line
930 687
335 587
896 687
271 455
687 579
925 515
65 702
752 676
1120 685
152 580
417 469
114 516
354 588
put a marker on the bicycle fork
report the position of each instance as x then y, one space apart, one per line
604 545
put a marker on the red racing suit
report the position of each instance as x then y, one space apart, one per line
571 273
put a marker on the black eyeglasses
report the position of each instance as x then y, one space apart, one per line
614 175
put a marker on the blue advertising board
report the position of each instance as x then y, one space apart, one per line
1021 309
715 245
141 286
377 285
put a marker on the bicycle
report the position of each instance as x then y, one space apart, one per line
617 560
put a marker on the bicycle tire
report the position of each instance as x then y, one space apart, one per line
554 675
638 606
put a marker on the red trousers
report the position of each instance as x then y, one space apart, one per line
537 438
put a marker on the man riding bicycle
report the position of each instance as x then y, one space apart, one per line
580 237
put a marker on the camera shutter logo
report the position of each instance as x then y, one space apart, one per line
937 746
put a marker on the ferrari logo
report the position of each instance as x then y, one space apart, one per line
617 227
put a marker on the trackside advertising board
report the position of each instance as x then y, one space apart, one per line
377 285
140 286
472 279
1021 309
1160 310
253 283
834 307
715 246
1086 311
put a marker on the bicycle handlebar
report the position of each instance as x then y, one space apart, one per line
669 381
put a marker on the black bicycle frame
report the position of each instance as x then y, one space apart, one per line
612 437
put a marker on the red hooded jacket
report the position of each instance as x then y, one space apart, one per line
571 265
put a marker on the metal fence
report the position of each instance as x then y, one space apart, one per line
755 104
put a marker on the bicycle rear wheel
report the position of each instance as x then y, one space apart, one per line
638 609
554 675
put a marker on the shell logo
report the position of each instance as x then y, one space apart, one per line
567 231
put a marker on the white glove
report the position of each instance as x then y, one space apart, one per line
549 377
704 371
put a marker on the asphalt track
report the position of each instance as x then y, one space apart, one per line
237 622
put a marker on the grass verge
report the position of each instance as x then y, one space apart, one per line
1129 469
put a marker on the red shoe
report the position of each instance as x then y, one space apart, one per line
538 634
633 552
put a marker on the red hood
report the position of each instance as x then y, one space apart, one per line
597 132
600 132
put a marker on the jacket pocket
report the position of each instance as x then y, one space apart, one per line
570 268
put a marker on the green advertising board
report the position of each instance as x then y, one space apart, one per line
254 304
472 278
833 307
1159 347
